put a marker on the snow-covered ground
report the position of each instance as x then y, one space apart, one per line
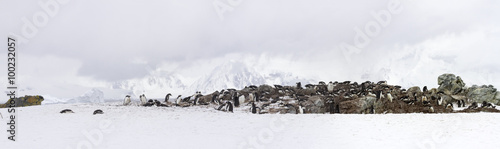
204 127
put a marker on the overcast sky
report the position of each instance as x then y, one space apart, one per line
82 44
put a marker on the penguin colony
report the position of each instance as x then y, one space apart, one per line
334 97
323 98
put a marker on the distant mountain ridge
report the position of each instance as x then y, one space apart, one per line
237 75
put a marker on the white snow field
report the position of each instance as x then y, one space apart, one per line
203 127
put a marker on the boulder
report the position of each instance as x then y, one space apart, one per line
412 90
24 101
314 104
483 93
450 84
265 89
354 106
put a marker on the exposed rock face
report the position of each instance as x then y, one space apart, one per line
355 106
314 105
24 101
450 84
414 91
483 93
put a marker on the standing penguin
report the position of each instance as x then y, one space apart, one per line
143 98
127 100
241 98
251 97
167 97
196 99
254 109
257 96
330 86
330 104
229 106
214 97
299 85
236 100
178 100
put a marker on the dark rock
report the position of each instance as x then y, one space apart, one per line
24 101
483 93
450 84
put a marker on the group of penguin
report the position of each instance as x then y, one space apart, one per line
145 102
98 111
227 106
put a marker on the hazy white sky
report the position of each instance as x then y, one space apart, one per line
81 44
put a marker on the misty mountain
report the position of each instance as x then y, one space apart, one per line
237 75
151 85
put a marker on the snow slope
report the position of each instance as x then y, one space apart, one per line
203 127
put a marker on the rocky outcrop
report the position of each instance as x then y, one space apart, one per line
314 105
24 101
450 84
483 93
354 106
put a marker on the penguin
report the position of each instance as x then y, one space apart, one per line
214 96
236 100
167 97
299 85
487 105
254 109
257 97
98 111
149 103
378 93
440 101
389 96
473 106
229 106
187 99
178 101
337 108
143 99
424 100
220 107
67 111
241 98
251 97
330 86
301 110
127 100
196 99
331 106
157 103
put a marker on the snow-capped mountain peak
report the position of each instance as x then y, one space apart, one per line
237 75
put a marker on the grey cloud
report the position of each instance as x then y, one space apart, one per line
107 36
